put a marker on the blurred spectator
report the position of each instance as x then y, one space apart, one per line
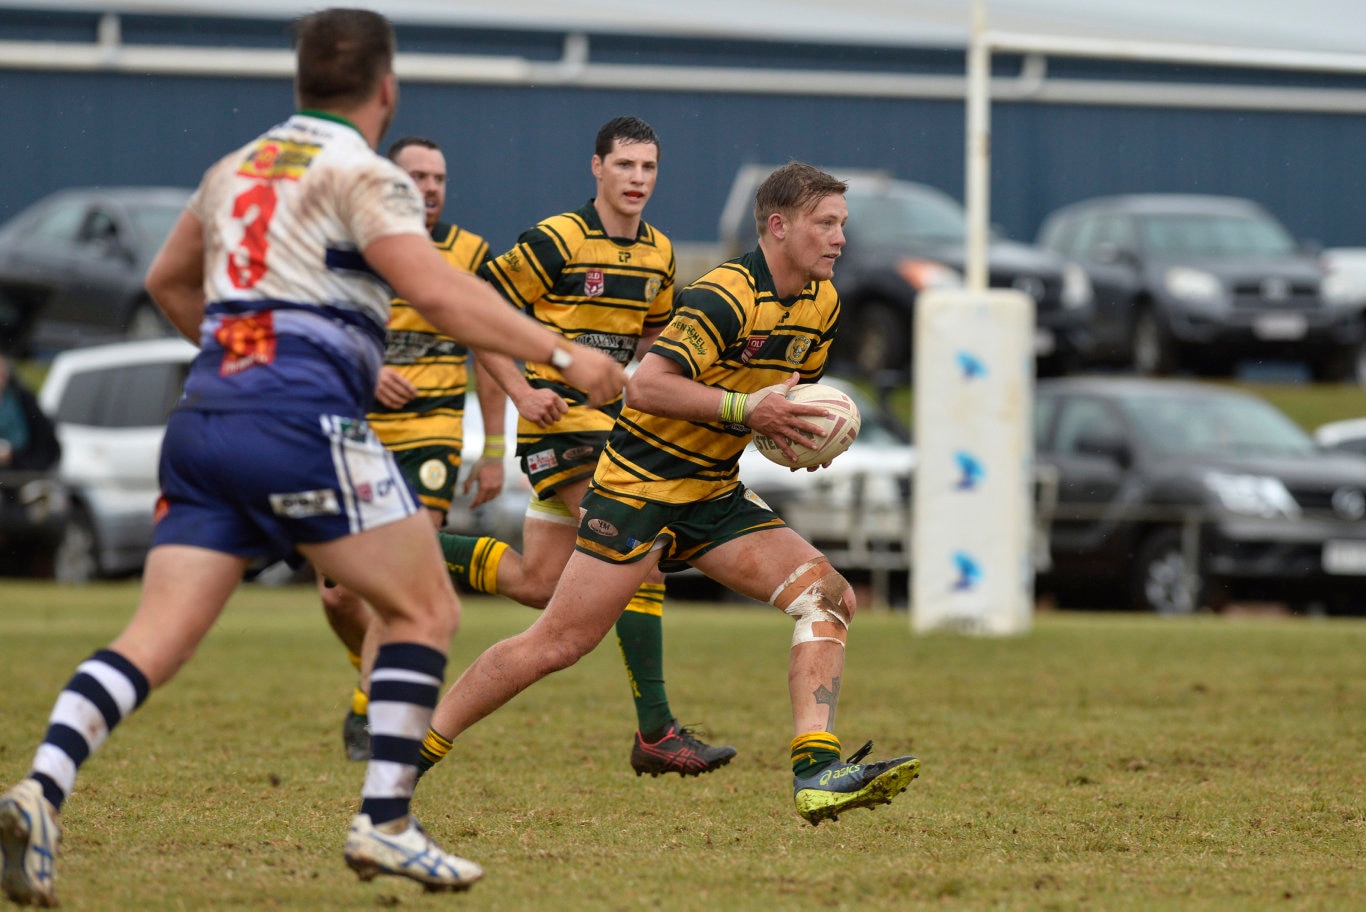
28 441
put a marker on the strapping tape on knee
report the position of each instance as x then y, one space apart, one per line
818 606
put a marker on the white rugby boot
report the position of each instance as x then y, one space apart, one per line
412 853
29 836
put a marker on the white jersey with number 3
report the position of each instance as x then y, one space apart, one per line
293 311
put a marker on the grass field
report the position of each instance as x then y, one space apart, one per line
1101 762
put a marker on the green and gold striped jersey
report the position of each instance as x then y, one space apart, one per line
730 330
435 363
596 290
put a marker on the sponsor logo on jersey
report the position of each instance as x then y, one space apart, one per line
273 159
797 349
540 462
652 287
620 347
603 528
690 335
432 474
366 492
300 504
511 261
578 453
594 282
247 341
752 346
402 199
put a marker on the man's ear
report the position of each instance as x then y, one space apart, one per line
777 225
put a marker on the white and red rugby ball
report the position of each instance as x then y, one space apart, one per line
841 426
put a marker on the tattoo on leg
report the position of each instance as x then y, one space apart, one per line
829 697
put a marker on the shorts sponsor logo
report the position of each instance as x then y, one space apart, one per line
578 453
603 528
369 493
432 474
757 500
594 283
301 504
540 462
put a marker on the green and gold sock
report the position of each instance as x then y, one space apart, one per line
640 634
473 561
812 751
434 749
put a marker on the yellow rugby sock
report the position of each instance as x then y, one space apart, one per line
354 659
360 702
434 750
814 750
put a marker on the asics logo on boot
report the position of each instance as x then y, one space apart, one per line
831 775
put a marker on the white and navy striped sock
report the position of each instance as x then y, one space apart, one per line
404 686
105 689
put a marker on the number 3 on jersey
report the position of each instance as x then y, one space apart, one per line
254 208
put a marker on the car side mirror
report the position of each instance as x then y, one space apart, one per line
1105 446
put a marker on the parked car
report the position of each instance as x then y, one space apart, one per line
110 404
1177 495
906 237
1204 282
1345 436
72 267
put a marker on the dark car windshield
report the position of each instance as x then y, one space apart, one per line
903 216
1215 426
1214 235
155 222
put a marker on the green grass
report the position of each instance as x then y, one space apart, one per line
1100 762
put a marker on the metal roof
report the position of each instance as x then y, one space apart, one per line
1318 26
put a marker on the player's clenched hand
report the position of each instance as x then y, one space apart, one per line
597 374
393 390
487 477
542 407
769 412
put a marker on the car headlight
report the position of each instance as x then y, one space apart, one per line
1339 290
1195 285
922 274
1253 495
1076 287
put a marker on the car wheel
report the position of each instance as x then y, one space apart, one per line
1153 351
1160 581
76 559
146 322
875 339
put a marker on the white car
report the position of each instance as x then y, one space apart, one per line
1348 435
109 404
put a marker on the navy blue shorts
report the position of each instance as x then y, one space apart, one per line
254 484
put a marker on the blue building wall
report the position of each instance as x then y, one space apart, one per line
517 154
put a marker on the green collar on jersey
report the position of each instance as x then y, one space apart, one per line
324 115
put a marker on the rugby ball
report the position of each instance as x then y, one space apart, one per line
841 425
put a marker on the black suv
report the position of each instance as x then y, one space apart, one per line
1203 282
1175 495
905 237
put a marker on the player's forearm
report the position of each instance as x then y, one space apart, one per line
659 387
492 396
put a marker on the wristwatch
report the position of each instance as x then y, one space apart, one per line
561 357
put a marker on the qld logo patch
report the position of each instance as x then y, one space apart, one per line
594 283
752 347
